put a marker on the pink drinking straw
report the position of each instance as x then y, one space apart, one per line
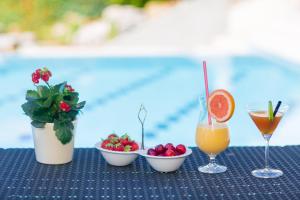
206 89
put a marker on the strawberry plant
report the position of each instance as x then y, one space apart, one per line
58 104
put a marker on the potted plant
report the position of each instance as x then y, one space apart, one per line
53 111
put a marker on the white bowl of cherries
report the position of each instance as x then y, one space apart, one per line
118 151
166 158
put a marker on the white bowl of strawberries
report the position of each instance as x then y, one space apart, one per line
118 151
166 158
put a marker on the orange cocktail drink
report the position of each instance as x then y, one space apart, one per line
266 120
212 139
261 120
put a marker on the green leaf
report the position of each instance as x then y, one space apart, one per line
63 131
49 101
71 98
43 91
38 124
29 107
42 115
59 88
80 105
127 148
32 95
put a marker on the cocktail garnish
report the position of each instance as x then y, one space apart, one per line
271 117
276 108
221 105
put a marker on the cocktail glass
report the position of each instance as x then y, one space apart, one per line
260 116
212 139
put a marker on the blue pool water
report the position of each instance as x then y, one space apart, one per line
169 88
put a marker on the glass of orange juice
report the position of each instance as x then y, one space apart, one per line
211 138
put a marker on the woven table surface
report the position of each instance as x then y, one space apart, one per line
88 176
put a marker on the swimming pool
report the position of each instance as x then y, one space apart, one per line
169 87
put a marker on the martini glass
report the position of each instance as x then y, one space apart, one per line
259 114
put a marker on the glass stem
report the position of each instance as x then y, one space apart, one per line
267 153
212 160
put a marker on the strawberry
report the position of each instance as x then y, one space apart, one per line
113 135
114 140
104 143
127 148
108 146
125 141
134 146
119 147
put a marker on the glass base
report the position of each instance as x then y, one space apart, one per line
212 168
267 173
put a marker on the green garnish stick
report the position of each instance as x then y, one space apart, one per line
270 110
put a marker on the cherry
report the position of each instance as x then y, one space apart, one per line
170 152
159 149
152 152
180 149
170 146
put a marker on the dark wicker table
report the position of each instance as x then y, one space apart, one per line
89 177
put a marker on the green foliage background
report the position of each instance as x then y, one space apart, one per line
39 15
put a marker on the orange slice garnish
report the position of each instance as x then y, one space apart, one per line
221 105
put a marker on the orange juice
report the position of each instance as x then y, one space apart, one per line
212 139
261 120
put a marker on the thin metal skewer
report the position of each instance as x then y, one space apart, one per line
142 117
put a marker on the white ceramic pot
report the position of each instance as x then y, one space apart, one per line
48 149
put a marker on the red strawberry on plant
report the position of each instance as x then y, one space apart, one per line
35 78
45 77
69 88
180 149
56 105
45 74
64 106
38 72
